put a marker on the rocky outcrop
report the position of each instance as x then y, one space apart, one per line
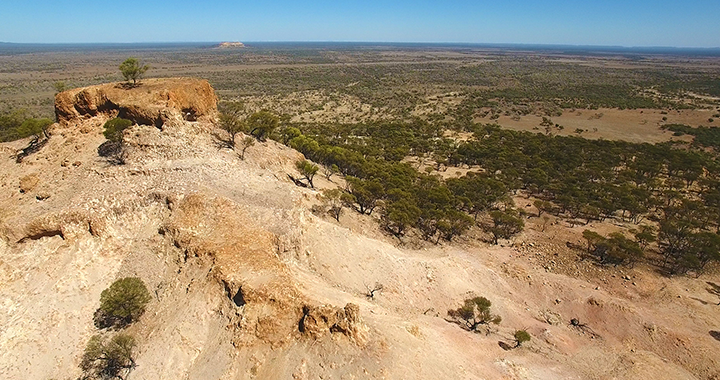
322 320
151 102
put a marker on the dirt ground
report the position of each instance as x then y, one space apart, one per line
641 125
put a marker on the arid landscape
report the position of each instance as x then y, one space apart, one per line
326 211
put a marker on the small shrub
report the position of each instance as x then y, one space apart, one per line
521 336
122 303
113 149
113 128
245 143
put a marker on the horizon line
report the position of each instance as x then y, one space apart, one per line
491 44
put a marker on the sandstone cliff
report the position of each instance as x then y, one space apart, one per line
152 102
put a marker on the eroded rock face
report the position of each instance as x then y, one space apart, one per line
151 102
322 320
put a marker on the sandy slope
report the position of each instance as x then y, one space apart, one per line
198 225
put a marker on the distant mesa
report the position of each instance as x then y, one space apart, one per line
231 45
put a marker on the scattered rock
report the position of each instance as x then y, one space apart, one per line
551 317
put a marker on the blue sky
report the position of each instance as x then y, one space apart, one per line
690 23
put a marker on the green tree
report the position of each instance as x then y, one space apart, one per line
131 69
334 200
329 171
17 125
454 223
473 313
367 193
621 250
114 148
644 236
400 214
122 303
308 170
108 359
262 124
704 248
289 134
593 239
505 224
231 124
35 127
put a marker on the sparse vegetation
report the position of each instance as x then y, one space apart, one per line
377 288
59 86
245 143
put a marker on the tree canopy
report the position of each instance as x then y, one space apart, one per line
122 303
132 69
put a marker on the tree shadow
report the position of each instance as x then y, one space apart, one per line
34 146
701 301
715 335
127 85
223 142
112 151
505 346
713 289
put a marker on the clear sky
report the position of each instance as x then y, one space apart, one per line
688 23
